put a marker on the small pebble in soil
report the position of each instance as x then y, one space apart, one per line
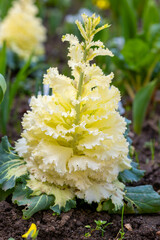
128 227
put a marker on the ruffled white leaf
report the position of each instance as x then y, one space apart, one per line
102 191
76 56
21 146
73 40
98 52
81 163
59 83
53 156
95 44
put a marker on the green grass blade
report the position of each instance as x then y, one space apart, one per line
21 76
140 105
3 59
3 87
151 15
4 6
128 19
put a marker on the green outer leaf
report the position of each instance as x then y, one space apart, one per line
34 204
69 205
142 199
63 197
3 87
11 166
140 105
131 175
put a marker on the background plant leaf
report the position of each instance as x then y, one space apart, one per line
140 105
3 59
128 19
3 87
137 54
151 15
153 37
4 6
21 76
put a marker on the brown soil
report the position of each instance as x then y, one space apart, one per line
71 225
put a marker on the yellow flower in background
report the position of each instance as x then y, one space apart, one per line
73 141
31 233
22 31
102 4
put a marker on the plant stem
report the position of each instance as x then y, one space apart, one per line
122 219
79 92
129 90
78 105
138 81
150 71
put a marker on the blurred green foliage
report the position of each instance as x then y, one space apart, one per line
4 6
139 57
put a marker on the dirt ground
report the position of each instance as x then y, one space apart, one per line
71 225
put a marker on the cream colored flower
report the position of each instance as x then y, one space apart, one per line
74 139
22 30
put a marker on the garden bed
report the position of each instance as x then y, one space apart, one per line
71 225
130 70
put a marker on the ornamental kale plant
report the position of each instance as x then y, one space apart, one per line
74 143
75 137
